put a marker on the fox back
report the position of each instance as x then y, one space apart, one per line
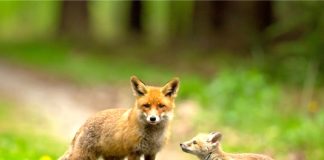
208 147
118 133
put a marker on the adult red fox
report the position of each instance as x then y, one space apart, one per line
208 147
115 134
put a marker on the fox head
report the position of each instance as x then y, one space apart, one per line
155 104
202 144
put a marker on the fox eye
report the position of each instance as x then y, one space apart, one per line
161 105
146 105
194 142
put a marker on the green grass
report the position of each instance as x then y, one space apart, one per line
280 135
24 137
90 67
28 146
256 115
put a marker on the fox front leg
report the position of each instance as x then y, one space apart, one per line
113 158
134 156
149 157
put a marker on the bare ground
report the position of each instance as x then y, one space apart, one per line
67 105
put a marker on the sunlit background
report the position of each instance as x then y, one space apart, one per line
251 70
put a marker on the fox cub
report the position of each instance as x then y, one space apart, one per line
115 134
208 147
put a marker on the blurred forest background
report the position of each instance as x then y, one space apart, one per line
252 70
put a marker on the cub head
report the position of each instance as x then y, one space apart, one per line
202 144
155 104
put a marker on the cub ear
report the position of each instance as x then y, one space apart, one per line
139 88
215 137
171 88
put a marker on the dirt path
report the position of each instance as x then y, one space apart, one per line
67 105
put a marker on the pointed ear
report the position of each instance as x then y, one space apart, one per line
215 137
139 88
171 88
216 146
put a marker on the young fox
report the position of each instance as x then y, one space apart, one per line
115 134
207 147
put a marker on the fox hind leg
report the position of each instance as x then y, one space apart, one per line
78 154
113 158
149 157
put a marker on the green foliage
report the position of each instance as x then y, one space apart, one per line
23 138
28 146
261 113
18 20
88 68
301 54
300 133
241 93
80 66
105 24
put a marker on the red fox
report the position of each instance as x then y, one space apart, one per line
208 147
115 134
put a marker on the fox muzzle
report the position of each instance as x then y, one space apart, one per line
153 119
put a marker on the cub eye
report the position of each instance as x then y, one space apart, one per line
161 105
146 105
194 142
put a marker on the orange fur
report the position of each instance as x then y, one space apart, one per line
118 133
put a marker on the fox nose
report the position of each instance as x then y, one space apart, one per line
181 145
152 119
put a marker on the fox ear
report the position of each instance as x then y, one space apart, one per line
171 88
215 137
139 88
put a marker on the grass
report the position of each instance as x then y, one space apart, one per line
28 146
263 114
77 64
24 135
86 67
254 113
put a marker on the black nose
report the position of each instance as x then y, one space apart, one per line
181 144
153 119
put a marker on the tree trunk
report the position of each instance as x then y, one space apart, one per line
230 24
264 14
74 19
135 17
209 19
